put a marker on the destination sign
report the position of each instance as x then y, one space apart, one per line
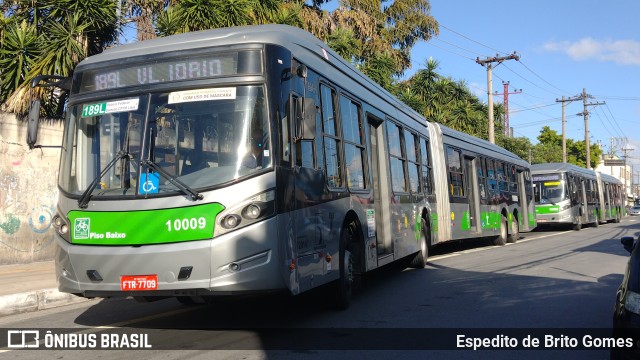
161 71
550 177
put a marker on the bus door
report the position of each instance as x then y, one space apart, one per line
471 180
381 190
523 199
582 193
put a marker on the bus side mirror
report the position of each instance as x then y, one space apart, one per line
32 125
305 119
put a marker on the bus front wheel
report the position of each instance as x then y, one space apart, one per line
343 288
578 225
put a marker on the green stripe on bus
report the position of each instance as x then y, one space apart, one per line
552 209
143 227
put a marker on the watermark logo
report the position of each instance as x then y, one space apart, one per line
81 228
23 339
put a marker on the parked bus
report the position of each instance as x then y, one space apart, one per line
255 159
569 194
611 196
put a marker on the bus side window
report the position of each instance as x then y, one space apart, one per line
491 178
426 166
354 148
502 179
304 148
456 177
396 160
332 162
481 177
412 161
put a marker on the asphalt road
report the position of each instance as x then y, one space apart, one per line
553 285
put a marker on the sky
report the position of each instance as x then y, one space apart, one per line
564 47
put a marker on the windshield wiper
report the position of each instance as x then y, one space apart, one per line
172 179
83 202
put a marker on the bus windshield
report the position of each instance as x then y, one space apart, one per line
551 192
203 137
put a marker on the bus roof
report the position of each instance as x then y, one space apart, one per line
481 146
547 168
610 179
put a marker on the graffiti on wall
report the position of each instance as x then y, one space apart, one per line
27 199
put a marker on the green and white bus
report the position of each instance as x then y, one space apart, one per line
572 195
255 159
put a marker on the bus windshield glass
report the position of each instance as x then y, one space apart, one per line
551 192
203 138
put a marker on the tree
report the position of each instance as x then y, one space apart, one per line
549 149
519 146
66 32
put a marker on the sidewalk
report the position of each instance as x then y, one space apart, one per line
31 287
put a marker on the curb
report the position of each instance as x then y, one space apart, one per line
36 300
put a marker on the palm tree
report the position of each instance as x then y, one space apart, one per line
65 32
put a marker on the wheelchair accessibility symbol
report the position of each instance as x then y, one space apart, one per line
149 183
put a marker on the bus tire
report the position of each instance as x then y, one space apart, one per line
502 238
343 288
420 260
515 231
577 226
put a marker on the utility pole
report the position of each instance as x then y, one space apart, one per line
488 62
564 124
585 113
505 95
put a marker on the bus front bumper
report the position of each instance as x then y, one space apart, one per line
243 261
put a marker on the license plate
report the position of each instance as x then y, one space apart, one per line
138 282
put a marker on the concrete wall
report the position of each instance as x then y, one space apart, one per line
28 191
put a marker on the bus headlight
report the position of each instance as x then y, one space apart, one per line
252 211
230 221
249 211
61 225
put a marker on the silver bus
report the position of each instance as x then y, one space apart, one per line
254 159
575 196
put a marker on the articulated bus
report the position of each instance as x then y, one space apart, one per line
572 195
255 159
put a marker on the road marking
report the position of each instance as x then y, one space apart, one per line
484 248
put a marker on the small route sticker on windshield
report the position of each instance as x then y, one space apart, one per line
202 95
110 107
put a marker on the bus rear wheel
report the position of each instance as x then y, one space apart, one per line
515 231
420 260
502 238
